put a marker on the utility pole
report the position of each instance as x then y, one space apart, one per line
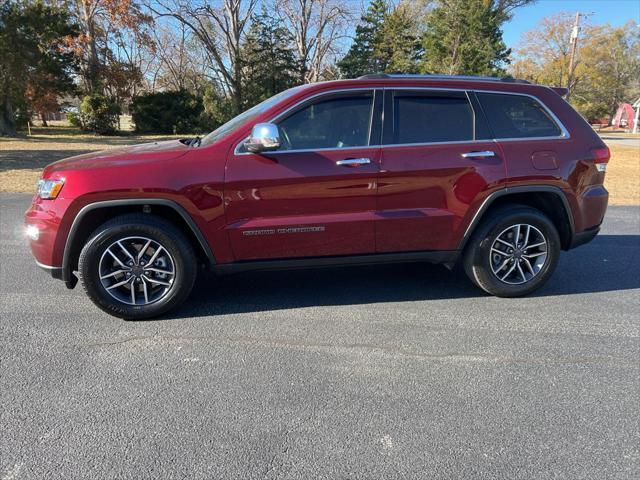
572 57
575 32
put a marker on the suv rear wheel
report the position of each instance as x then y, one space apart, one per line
137 266
513 252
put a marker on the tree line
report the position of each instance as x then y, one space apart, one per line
192 64
606 70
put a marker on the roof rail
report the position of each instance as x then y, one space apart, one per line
373 76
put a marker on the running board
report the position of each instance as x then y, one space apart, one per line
446 257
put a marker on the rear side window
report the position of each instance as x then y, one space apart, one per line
431 117
517 116
339 121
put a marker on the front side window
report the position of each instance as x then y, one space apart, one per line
517 116
431 117
339 121
246 116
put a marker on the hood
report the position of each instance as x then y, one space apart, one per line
144 152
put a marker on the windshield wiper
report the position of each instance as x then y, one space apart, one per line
195 142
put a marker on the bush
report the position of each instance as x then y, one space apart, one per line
167 112
74 119
99 114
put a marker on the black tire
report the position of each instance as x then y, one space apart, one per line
477 259
150 227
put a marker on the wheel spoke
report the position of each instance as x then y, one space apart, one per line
534 255
143 249
536 245
155 255
504 264
155 280
118 261
119 284
125 250
517 237
113 274
509 272
133 292
528 264
510 245
500 252
144 289
159 270
524 278
526 237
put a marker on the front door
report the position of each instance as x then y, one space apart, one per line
316 195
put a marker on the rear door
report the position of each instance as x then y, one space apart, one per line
316 196
437 160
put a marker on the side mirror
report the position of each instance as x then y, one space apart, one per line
264 137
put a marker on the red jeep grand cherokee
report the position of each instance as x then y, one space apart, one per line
497 174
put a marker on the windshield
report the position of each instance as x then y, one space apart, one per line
246 116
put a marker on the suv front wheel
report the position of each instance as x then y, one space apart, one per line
513 252
137 266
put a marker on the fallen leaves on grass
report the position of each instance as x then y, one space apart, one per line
623 176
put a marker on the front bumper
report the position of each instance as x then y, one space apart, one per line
42 227
55 272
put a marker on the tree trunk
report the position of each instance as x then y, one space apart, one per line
43 117
93 63
7 122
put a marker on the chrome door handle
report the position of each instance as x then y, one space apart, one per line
486 153
350 162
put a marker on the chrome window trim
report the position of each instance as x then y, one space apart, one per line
426 144
326 149
565 133
306 99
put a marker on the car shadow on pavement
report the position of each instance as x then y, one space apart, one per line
609 263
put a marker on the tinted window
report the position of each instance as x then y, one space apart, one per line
517 116
335 122
424 118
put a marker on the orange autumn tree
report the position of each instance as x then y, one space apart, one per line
101 22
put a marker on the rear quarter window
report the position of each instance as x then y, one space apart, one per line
517 116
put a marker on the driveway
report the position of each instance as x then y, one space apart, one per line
402 371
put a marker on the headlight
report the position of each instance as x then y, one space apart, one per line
49 189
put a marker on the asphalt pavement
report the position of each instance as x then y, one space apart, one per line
396 371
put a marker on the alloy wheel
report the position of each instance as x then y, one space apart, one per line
137 270
518 254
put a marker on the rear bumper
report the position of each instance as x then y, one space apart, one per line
584 237
592 207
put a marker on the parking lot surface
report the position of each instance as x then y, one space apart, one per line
401 371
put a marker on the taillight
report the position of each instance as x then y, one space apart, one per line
601 157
